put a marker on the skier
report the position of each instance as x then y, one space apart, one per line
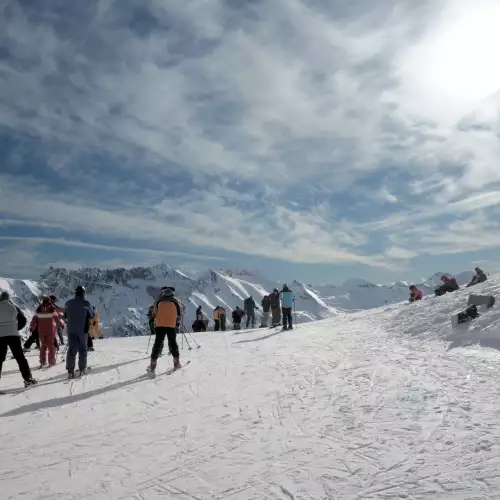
151 319
237 316
94 327
222 316
12 319
479 277
217 319
168 313
415 294
249 306
266 307
287 301
275 308
78 312
59 310
46 320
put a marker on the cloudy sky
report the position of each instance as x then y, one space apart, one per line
307 138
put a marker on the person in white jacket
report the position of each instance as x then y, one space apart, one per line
12 319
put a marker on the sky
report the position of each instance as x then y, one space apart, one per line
309 139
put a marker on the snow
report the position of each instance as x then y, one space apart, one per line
377 404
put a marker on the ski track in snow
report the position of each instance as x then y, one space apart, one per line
373 405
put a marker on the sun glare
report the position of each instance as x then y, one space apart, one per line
464 58
456 64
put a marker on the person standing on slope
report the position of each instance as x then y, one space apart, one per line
12 319
47 320
249 306
216 319
287 301
78 312
200 322
275 307
168 314
59 310
95 327
237 316
222 317
266 307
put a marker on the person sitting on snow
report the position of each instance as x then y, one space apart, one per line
449 285
415 294
480 277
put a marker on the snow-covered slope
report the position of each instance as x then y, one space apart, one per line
122 296
377 404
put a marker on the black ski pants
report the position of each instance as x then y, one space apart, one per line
33 338
90 342
16 347
223 322
216 325
287 317
161 333
77 344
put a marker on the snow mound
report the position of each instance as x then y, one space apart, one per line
367 405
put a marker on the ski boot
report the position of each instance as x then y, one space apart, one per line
151 369
71 374
26 349
42 366
177 364
91 349
31 381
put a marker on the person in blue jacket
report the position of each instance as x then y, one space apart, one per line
287 301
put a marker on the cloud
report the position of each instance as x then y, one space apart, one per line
312 133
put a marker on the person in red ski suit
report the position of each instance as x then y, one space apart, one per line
47 320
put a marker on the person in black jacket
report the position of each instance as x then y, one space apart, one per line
237 316
266 308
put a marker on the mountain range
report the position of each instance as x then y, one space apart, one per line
122 296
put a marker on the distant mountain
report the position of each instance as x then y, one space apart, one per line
122 296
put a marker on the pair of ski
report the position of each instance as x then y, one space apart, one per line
153 375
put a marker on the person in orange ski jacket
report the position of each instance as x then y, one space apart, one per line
46 320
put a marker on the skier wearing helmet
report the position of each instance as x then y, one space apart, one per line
78 312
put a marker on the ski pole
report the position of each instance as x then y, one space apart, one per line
150 334
187 341
196 343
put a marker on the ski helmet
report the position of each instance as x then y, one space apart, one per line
80 291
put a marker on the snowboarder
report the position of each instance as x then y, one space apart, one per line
275 307
479 277
59 310
287 302
237 316
415 294
449 285
46 320
12 319
222 316
168 314
266 307
249 306
217 319
77 312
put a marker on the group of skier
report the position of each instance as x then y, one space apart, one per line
449 284
78 315
276 306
